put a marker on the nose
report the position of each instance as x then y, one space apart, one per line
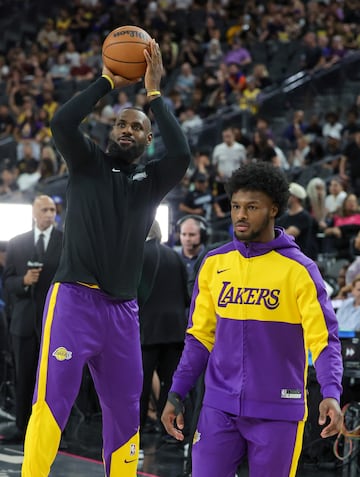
241 213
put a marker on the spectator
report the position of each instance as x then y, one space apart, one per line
343 289
28 171
261 149
185 83
296 128
227 155
332 151
82 71
48 152
313 57
212 25
354 266
198 201
9 189
72 55
122 102
49 103
234 81
316 193
237 53
324 44
191 124
213 55
93 55
63 20
336 196
81 21
249 97
170 52
349 167
191 52
348 313
203 165
274 28
299 156
7 122
351 125
332 125
48 37
261 75
43 135
315 151
60 69
298 222
344 226
314 128
281 159
338 51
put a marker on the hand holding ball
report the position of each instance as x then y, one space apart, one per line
123 51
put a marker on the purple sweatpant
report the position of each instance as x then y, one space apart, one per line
222 441
84 325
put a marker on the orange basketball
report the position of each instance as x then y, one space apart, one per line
123 51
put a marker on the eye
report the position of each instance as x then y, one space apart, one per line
136 127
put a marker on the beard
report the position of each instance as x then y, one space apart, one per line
254 234
128 154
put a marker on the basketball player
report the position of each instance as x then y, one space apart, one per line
91 313
259 304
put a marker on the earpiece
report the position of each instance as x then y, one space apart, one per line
202 224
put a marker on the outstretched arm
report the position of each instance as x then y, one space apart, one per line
65 125
172 169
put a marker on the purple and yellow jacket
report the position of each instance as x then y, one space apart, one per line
256 311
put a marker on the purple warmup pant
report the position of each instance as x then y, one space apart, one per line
84 325
222 441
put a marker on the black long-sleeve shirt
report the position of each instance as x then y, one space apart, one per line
109 212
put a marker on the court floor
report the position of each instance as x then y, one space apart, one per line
81 455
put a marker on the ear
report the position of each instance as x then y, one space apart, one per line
274 211
149 138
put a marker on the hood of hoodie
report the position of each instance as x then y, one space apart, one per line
280 242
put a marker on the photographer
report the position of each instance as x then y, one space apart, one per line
31 261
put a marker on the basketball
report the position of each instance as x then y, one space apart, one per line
123 51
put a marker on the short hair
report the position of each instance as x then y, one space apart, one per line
264 177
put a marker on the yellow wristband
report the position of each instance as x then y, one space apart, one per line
110 80
153 92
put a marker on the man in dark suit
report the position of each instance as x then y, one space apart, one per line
163 299
31 261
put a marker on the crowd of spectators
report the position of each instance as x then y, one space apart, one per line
211 53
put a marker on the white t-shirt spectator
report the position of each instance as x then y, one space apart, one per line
228 158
